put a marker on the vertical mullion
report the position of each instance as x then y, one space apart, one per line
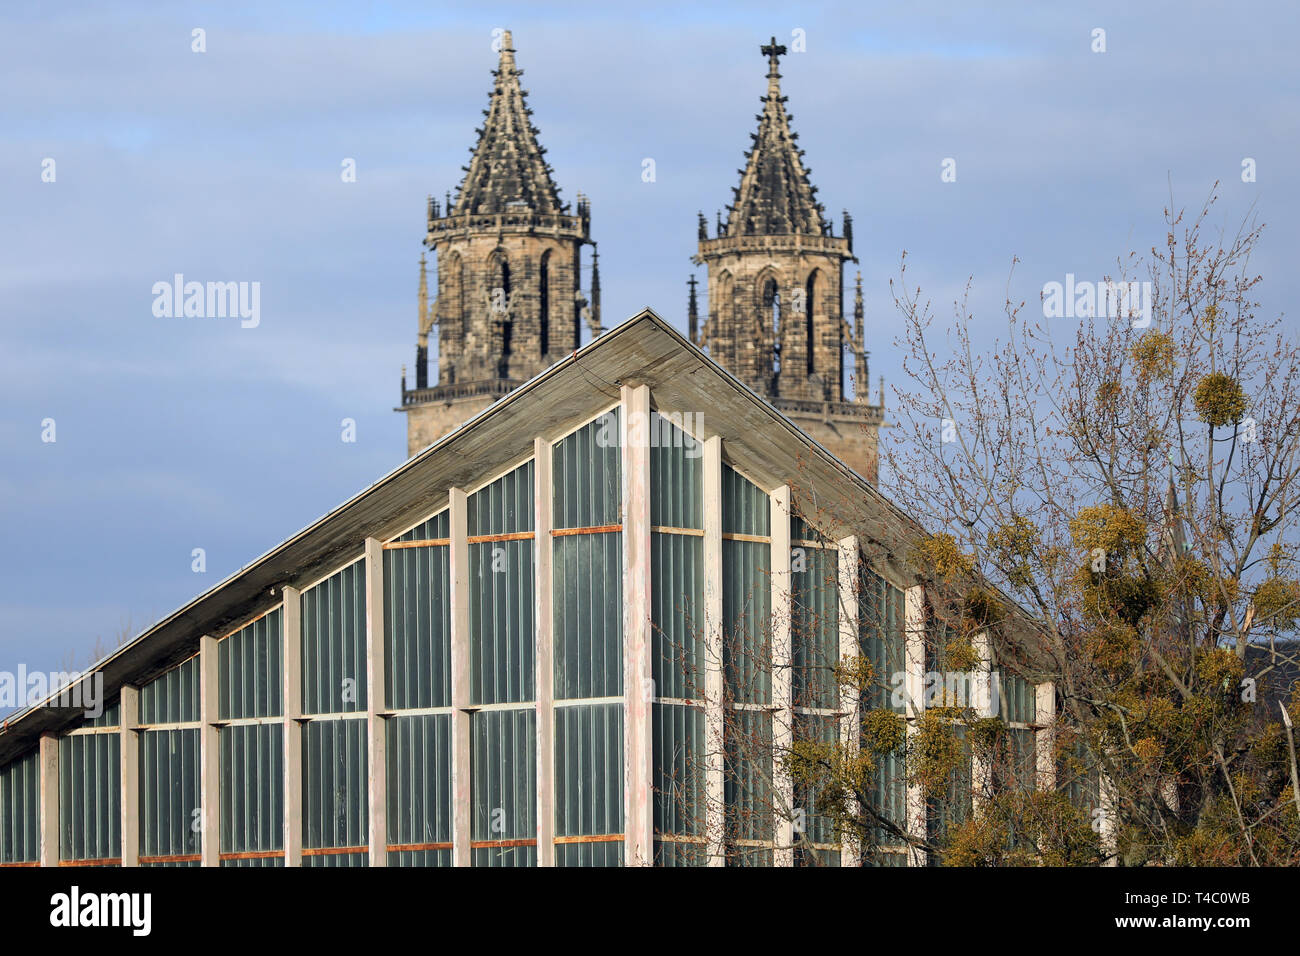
782 790
544 655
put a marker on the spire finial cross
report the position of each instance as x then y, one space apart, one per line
772 51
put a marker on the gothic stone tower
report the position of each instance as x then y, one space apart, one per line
775 313
508 256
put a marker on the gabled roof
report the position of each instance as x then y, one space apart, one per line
507 166
757 440
775 197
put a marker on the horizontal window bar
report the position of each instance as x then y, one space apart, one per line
430 543
491 844
416 711
512 536
252 855
188 858
598 838
580 701
597 529
107 861
333 850
508 705
409 847
346 715
247 721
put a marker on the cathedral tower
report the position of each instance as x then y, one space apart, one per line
508 299
775 298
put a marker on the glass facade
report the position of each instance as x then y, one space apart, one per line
678 646
815 644
882 641
587 630
170 809
20 795
717 781
502 639
335 793
417 627
250 692
90 800
749 824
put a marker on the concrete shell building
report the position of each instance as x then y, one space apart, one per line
573 631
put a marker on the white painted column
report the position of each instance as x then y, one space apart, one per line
376 703
782 677
980 688
461 784
130 775
1045 737
544 678
850 699
714 723
209 754
292 675
914 657
49 763
638 683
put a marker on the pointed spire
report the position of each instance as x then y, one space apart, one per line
508 166
423 294
775 196
596 327
861 368
422 340
692 311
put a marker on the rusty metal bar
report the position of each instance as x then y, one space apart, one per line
596 838
487 538
411 847
187 858
106 861
429 543
600 529
333 850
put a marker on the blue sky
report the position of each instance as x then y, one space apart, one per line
175 434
